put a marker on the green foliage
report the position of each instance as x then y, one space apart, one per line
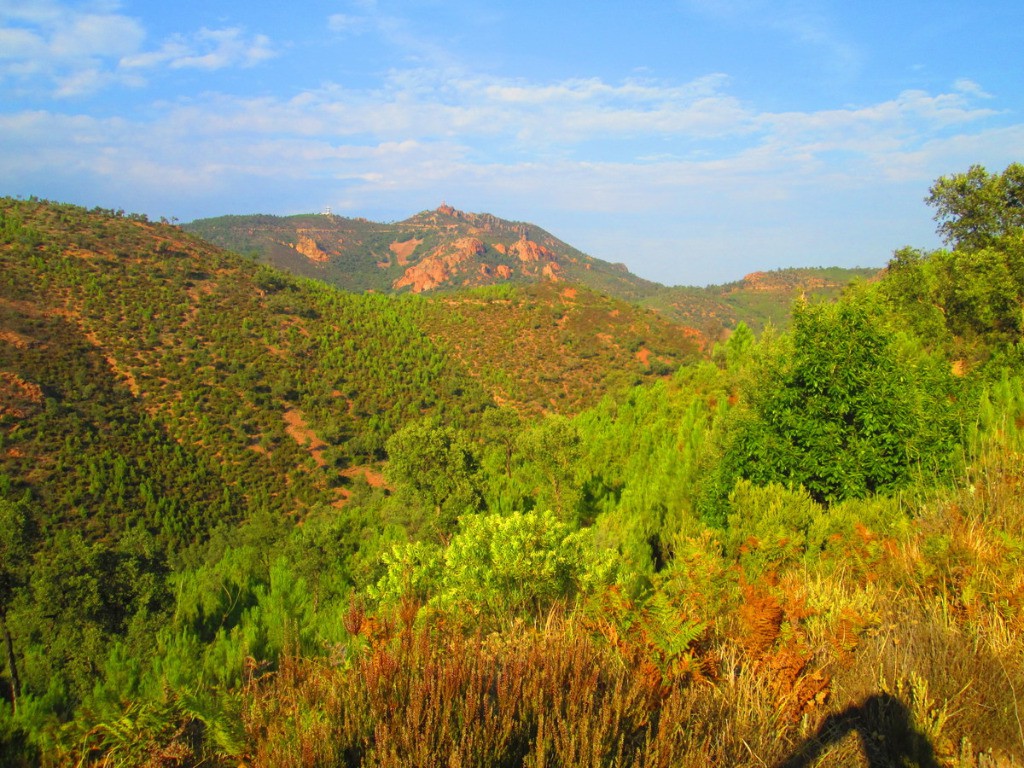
769 525
551 450
836 410
435 466
412 571
974 209
192 502
496 566
911 291
515 564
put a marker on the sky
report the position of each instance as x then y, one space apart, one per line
693 140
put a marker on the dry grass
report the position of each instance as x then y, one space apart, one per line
909 654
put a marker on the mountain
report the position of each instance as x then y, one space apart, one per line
440 249
446 249
247 518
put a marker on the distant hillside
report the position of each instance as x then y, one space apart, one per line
446 249
757 299
439 249
247 518
128 340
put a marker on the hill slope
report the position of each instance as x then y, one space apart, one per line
758 299
276 384
739 564
240 374
555 347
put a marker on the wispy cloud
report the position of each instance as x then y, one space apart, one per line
795 22
426 124
207 49
78 52
346 23
716 173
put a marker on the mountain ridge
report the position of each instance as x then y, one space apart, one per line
446 249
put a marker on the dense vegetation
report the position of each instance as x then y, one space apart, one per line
247 518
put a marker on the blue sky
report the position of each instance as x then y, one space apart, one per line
695 140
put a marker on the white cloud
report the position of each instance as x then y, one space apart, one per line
967 86
219 48
23 44
77 52
523 149
83 36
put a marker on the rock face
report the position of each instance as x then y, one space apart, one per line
551 270
529 251
441 265
309 248
425 252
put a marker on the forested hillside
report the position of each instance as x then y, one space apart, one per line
446 250
439 249
759 299
248 518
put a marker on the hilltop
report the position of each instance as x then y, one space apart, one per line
758 299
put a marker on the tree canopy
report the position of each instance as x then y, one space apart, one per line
976 207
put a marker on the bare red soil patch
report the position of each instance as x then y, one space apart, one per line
300 432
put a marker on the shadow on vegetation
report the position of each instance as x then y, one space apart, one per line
887 736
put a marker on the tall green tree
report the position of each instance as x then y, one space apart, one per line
437 467
838 412
552 450
976 208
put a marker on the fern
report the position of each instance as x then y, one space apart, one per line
671 632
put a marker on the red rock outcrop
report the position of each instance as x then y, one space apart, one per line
440 266
529 251
782 282
309 248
